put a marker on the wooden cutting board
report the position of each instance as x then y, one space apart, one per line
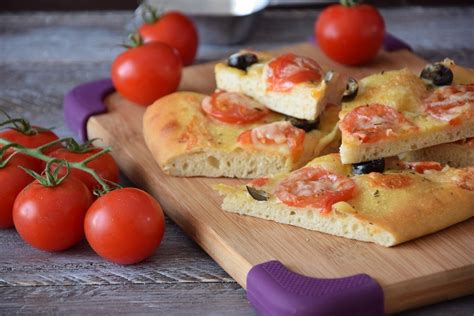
430 269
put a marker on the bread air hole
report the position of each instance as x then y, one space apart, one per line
213 162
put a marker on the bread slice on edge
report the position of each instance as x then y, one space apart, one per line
403 91
185 142
383 216
457 154
304 101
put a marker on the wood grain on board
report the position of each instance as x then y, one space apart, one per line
430 269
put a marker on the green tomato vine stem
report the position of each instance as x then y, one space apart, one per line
38 154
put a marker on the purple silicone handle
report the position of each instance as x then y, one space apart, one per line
274 290
390 43
84 101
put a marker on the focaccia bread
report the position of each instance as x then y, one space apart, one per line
400 202
396 112
231 135
457 154
289 84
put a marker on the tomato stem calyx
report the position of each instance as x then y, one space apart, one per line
134 40
149 14
21 125
51 177
349 3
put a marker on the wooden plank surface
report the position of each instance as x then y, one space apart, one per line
430 269
45 54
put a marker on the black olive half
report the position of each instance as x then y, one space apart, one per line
305 125
365 167
242 60
256 194
437 74
352 87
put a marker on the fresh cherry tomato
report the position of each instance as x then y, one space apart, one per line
125 226
350 34
233 108
174 29
105 166
37 138
52 218
12 180
147 72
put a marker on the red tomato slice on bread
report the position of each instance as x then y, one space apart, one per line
374 122
277 133
287 70
233 108
314 187
451 103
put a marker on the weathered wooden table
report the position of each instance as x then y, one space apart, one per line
43 55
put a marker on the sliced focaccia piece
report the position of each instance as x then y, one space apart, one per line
231 135
457 154
289 84
396 112
397 203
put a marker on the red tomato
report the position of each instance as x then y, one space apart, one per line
176 30
233 108
147 72
277 133
31 141
350 35
314 187
374 122
125 226
389 181
451 103
287 70
258 182
52 218
105 166
12 180
422 166
465 178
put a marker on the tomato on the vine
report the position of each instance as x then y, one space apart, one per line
145 73
350 33
12 180
125 226
172 28
31 138
52 218
105 166
34 139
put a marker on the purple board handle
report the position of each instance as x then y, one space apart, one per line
274 290
84 101
390 43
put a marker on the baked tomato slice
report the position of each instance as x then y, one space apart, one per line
285 71
389 180
422 166
233 108
314 187
277 133
374 122
451 103
465 178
